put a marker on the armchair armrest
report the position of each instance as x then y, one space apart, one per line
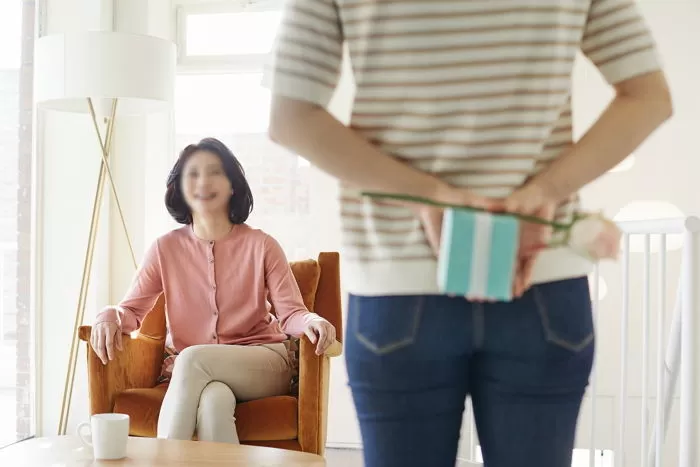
136 366
314 375
335 350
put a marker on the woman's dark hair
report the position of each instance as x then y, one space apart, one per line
241 204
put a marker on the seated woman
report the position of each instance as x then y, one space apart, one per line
217 274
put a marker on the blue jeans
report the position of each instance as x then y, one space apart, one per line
413 360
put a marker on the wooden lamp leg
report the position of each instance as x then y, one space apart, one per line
105 173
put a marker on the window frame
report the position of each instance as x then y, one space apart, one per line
229 63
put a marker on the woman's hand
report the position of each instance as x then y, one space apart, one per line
431 217
320 332
530 200
106 339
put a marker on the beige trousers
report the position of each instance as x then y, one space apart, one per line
207 382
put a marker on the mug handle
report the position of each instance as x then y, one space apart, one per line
79 431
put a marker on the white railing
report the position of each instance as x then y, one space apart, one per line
677 355
681 354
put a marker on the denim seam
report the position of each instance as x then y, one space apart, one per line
478 325
549 334
383 350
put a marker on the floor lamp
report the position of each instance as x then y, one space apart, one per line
107 75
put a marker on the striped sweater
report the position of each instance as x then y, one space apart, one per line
477 92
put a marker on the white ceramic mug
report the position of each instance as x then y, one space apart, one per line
108 434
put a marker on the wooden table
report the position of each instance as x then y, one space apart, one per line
68 451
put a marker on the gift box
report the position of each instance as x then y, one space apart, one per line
477 256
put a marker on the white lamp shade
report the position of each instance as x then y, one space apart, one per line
138 70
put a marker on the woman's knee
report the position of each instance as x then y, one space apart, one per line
189 359
217 398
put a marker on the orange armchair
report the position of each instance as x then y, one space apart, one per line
128 384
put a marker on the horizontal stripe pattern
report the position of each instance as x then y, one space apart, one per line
476 92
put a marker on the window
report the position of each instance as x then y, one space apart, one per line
242 33
231 35
16 347
219 93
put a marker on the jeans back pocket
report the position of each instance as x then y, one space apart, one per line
385 324
566 313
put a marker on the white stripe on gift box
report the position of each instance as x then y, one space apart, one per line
481 248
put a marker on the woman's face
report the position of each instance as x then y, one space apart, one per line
205 186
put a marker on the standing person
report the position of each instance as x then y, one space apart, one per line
464 102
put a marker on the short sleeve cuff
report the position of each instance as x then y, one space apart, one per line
298 88
631 66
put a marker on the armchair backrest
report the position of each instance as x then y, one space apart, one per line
153 324
319 283
328 299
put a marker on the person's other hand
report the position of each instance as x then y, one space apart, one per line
322 333
431 217
530 200
106 339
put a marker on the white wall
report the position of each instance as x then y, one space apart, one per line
69 157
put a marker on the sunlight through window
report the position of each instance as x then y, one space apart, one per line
10 34
16 343
232 33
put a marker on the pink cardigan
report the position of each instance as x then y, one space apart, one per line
216 292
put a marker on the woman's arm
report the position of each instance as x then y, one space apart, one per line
640 106
618 42
141 297
311 131
284 291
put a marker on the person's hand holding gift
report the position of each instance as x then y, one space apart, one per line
530 201
431 216
590 235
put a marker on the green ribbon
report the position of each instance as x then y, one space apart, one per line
559 226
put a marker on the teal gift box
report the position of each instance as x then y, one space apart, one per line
477 257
